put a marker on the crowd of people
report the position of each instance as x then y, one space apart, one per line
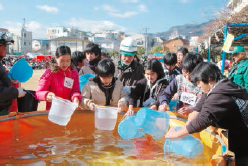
8 62
202 92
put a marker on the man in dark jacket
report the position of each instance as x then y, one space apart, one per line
129 71
7 92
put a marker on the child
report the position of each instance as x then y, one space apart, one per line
170 68
188 93
180 55
60 79
93 55
104 89
148 88
78 58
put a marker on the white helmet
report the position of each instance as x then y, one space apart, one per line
128 45
6 38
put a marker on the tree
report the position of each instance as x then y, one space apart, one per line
140 51
113 53
156 49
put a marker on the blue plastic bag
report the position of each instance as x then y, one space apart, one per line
187 146
152 122
84 78
127 129
20 71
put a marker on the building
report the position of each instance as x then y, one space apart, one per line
108 34
26 38
55 32
174 44
42 46
75 43
23 42
108 44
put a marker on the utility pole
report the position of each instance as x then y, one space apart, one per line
146 42
23 36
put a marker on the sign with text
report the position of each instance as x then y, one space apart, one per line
228 42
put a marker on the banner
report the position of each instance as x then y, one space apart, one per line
228 42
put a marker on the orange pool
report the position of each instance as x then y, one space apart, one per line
34 139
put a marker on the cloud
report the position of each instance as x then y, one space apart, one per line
129 1
142 8
109 9
38 30
115 13
1 6
93 25
124 15
47 8
184 1
96 8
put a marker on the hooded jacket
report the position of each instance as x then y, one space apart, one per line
54 82
218 108
144 90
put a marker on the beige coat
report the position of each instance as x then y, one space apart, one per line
85 70
91 93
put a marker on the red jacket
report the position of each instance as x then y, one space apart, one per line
54 82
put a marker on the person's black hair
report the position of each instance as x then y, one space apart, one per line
170 59
191 60
77 57
155 66
205 72
183 50
92 47
62 50
105 68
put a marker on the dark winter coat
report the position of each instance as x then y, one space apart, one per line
7 92
143 91
131 75
219 108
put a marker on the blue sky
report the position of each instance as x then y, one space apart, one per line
130 16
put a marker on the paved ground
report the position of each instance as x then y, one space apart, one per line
32 83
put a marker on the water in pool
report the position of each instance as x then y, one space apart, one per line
35 139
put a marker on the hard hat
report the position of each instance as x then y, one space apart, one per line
5 39
128 45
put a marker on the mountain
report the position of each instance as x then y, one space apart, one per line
186 30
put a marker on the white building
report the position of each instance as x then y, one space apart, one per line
108 44
55 32
75 43
23 42
42 46
108 34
